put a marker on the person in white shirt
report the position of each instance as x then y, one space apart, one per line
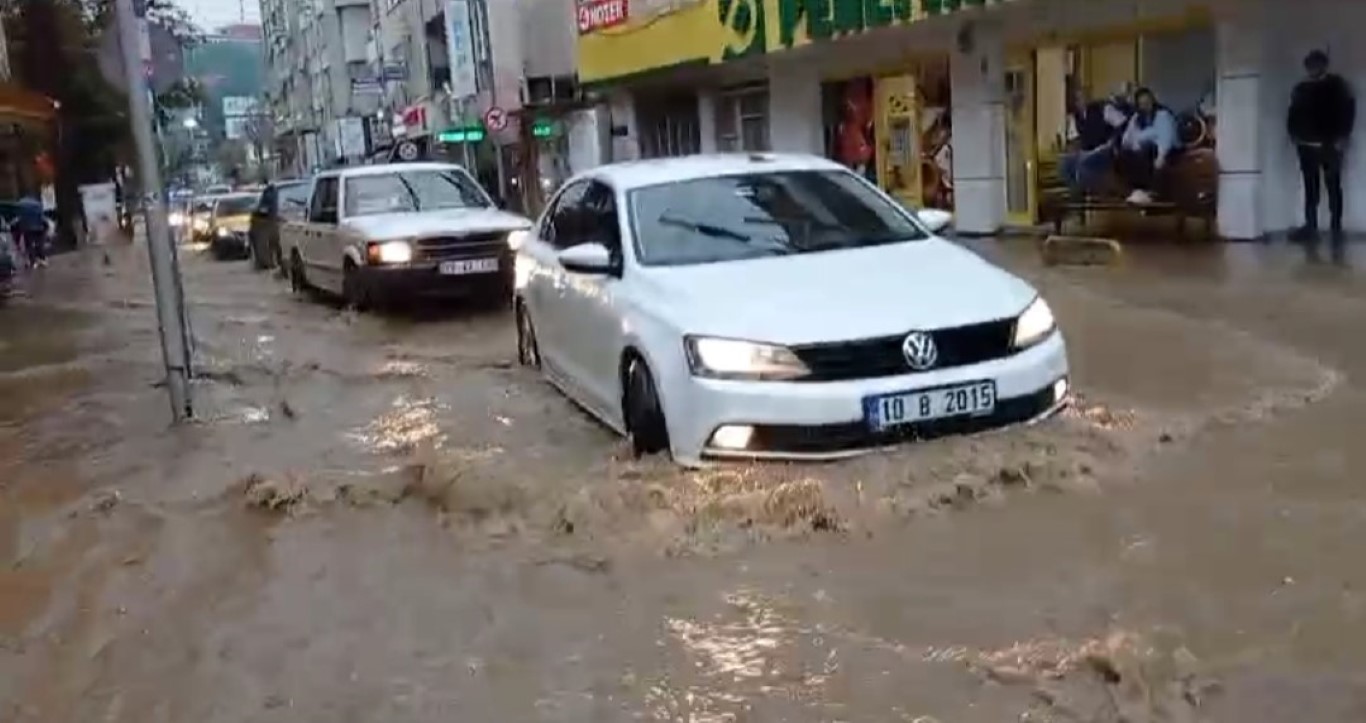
1147 145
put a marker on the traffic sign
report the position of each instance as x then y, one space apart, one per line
496 119
462 134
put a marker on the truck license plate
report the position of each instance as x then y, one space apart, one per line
468 266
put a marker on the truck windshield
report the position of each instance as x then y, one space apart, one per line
412 191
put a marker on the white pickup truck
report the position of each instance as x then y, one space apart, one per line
372 234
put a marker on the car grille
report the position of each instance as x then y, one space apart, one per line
882 356
462 247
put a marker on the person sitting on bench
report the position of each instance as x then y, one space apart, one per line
1093 129
1147 146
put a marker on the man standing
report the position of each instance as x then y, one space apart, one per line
1322 114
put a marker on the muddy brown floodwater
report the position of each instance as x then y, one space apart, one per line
384 519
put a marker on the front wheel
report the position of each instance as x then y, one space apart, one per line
298 280
645 424
528 352
354 292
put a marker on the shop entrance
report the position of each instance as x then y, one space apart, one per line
1065 90
896 130
1021 164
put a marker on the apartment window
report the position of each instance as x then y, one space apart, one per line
742 119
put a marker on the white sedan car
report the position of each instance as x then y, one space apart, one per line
774 307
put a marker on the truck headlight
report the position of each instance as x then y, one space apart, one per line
735 359
1034 325
389 252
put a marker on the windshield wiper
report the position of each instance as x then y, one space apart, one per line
706 229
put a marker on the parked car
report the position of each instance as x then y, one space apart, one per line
374 234
284 200
229 224
9 265
774 306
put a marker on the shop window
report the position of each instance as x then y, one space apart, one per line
742 120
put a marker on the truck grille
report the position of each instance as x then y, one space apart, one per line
882 356
474 245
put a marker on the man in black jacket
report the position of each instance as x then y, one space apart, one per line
1322 115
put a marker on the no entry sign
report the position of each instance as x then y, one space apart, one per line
496 119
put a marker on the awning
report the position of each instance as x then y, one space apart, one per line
18 103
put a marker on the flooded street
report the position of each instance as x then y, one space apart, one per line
384 518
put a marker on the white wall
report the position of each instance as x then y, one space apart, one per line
794 106
549 36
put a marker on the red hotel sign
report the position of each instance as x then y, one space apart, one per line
599 14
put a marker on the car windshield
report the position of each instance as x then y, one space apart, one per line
409 191
733 218
236 205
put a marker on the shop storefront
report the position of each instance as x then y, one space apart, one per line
965 105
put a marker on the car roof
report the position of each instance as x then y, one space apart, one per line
636 174
385 168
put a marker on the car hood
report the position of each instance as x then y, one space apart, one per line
838 295
436 223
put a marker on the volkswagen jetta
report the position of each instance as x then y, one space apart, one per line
774 306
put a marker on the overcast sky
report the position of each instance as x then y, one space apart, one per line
212 14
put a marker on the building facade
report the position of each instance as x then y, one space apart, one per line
961 104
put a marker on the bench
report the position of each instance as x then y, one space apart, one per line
1192 181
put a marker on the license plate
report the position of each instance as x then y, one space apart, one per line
973 399
468 266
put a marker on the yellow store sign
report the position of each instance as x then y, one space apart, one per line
645 35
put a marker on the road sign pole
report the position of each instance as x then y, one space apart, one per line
165 272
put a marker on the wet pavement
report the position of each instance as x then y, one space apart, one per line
383 518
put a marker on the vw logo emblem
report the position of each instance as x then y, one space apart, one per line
920 351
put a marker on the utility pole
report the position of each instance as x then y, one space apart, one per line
175 348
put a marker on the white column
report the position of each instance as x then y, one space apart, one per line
1240 134
706 119
622 114
794 107
979 149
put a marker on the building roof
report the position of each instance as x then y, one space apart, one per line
635 174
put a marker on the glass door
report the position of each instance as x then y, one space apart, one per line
1021 171
898 138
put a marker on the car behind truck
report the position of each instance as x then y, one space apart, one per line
377 234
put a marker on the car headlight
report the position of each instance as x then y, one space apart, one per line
735 359
224 232
176 219
389 252
201 225
1034 325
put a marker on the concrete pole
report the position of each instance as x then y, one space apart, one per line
175 348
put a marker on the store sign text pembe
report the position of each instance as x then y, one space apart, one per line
824 19
599 14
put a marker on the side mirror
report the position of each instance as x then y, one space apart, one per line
587 258
934 219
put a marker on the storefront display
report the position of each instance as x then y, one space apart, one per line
896 131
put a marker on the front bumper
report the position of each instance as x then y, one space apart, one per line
813 420
234 244
425 280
